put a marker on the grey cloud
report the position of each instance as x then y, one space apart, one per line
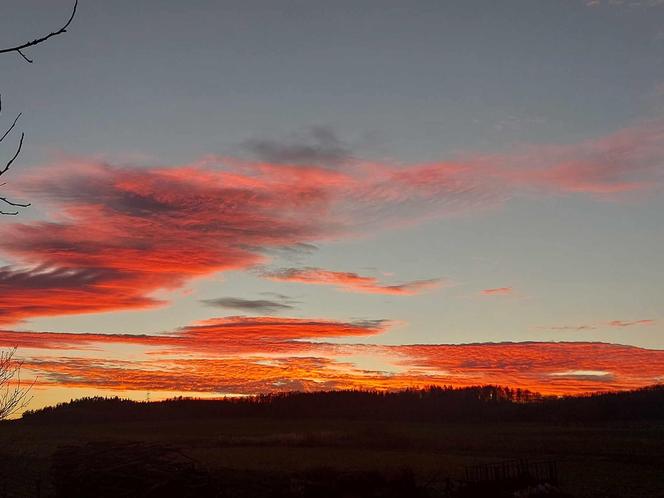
276 295
318 146
261 305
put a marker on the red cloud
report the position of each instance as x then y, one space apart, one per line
498 291
246 355
66 291
565 367
350 281
217 335
125 233
119 234
551 368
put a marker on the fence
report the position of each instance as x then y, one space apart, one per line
541 471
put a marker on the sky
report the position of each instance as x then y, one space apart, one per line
239 197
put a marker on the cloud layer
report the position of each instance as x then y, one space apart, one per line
118 234
244 355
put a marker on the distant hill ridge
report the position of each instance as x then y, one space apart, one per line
480 403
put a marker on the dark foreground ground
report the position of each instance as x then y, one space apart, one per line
250 456
255 457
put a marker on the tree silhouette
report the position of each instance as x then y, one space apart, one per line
11 208
13 394
434 404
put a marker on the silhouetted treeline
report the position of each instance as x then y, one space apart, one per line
482 403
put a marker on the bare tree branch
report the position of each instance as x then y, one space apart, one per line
18 48
13 204
6 168
11 127
18 151
13 395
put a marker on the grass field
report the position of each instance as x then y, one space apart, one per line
625 460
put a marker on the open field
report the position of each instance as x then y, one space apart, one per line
607 460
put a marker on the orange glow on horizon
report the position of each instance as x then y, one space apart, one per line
250 355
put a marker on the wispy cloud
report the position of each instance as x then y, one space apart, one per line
251 305
629 323
629 160
598 325
498 291
580 327
350 281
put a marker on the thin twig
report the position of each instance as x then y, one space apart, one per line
11 127
18 48
18 151
14 204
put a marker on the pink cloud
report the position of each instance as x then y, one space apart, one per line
498 291
625 161
349 281
627 323
118 234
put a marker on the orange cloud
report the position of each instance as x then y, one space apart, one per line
350 281
552 368
228 335
247 355
564 367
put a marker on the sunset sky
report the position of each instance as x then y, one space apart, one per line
234 197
